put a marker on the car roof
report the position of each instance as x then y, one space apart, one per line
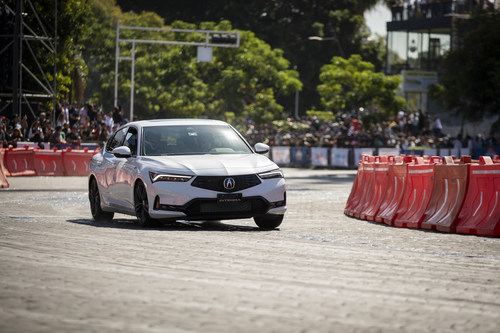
172 122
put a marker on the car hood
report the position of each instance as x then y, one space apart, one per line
209 165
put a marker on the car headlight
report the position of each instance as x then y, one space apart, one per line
168 177
272 174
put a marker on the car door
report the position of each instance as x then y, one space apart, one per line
109 165
126 171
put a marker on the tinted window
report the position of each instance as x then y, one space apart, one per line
116 140
131 140
192 140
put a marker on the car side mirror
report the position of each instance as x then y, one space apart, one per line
261 148
121 151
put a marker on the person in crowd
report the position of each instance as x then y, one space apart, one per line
74 138
109 119
36 134
17 136
74 114
57 139
83 113
117 115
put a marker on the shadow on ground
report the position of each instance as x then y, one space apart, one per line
169 225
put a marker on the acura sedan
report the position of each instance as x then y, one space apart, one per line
185 169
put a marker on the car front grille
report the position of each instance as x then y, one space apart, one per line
210 208
216 183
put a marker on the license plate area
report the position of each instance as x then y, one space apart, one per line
229 198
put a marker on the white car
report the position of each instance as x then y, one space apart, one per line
185 169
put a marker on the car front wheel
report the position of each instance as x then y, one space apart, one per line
269 222
95 204
142 206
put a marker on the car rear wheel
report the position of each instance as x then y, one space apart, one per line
269 221
95 204
142 206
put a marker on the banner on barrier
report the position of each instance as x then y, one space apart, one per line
388 152
339 157
444 152
430 152
299 156
281 155
319 156
361 151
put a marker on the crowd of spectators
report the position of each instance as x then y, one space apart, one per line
406 131
73 126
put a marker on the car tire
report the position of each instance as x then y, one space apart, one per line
269 221
141 205
95 204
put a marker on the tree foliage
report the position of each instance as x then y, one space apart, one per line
352 83
286 24
168 80
471 77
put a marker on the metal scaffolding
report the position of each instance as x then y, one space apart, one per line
19 39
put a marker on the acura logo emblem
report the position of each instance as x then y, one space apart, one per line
229 183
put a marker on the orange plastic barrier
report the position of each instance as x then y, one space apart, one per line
417 193
48 162
76 162
366 196
450 187
357 189
3 180
19 162
480 213
379 187
397 176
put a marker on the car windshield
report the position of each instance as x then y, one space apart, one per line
192 140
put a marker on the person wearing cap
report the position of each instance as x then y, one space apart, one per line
36 134
57 139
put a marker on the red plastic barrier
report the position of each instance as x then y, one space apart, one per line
417 193
359 196
379 188
480 213
397 176
3 180
48 162
76 162
450 187
357 189
366 196
19 162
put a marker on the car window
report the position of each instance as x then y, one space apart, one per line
131 140
116 140
192 140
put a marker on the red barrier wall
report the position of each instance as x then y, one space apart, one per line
397 175
76 162
480 213
19 162
417 194
379 188
450 187
48 162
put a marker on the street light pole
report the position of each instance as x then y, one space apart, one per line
321 39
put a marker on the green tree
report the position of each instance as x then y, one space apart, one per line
352 83
286 25
168 80
471 76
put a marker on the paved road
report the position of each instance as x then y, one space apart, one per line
320 272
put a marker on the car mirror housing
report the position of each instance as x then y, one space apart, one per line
261 148
121 151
